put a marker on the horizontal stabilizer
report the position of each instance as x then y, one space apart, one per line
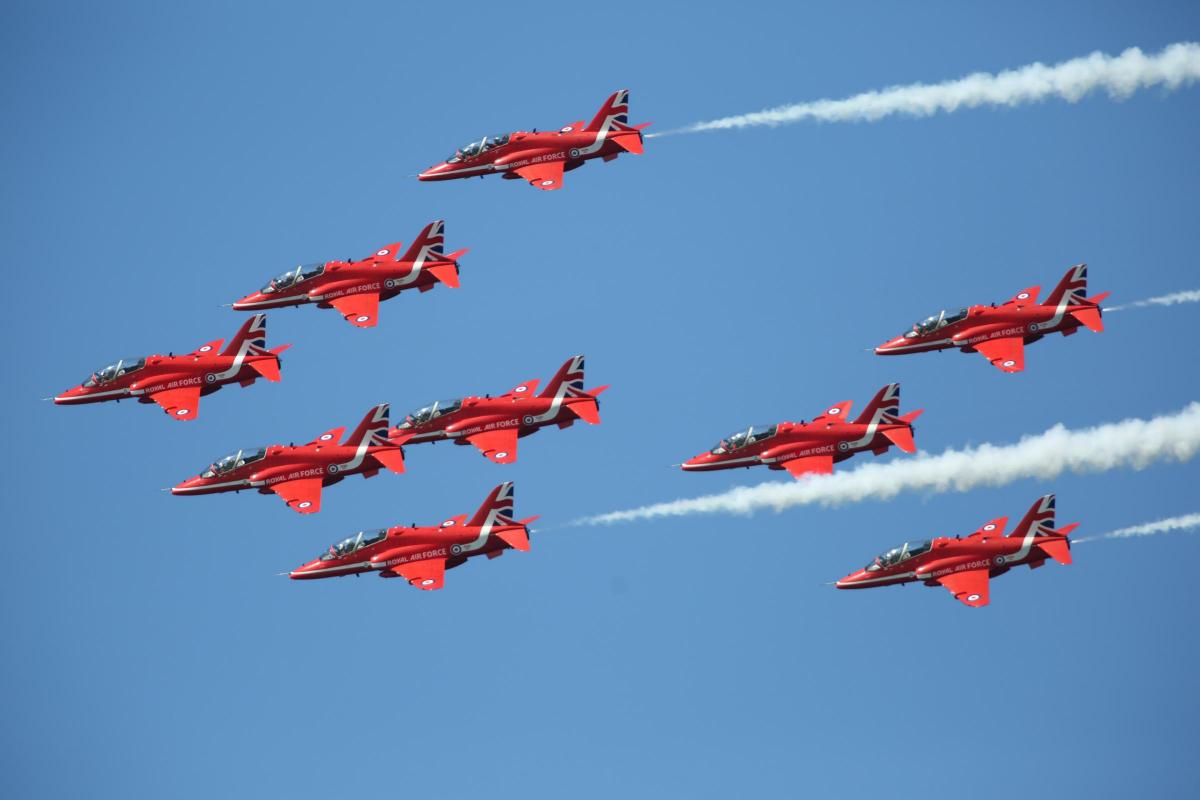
908 418
516 538
446 273
628 140
1089 318
902 438
269 367
392 459
1058 549
587 409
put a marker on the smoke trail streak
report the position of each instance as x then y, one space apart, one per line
1185 523
1173 299
1133 443
1177 65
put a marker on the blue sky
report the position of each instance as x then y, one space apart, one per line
161 161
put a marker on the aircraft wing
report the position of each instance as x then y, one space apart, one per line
429 574
181 403
805 465
302 495
360 310
547 175
969 586
1007 355
837 413
499 445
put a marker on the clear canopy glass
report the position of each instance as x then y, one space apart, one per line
473 149
114 371
755 433
897 554
356 542
941 320
423 415
234 460
293 276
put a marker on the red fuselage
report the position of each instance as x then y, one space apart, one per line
981 324
343 278
484 415
794 440
208 372
402 545
571 146
280 463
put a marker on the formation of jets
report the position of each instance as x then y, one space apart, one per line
493 425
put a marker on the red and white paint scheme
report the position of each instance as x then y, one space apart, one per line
493 424
298 473
966 565
355 288
421 555
177 383
802 447
1000 333
542 158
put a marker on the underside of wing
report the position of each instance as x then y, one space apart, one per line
1006 354
360 310
182 403
969 586
809 465
499 446
429 574
302 495
547 175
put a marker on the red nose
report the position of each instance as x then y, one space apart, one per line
852 581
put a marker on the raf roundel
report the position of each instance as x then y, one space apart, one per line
843 445
528 419
383 252
305 504
1023 296
456 549
547 183
521 389
333 469
448 523
834 411
361 318
1000 560
502 454
181 412
210 378
325 437
989 527
972 597
574 152
1010 363
205 349
427 582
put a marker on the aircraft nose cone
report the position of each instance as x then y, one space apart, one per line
851 581
303 571
249 301
888 345
189 486
697 462
69 395
433 172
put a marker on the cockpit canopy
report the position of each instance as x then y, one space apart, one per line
114 371
469 151
931 324
293 276
897 554
356 542
423 415
755 433
234 460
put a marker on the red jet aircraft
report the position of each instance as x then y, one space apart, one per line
493 424
297 474
964 566
421 555
1000 333
542 158
355 288
814 447
177 382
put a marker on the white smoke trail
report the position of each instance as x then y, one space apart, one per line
1185 523
1134 443
1121 76
1190 296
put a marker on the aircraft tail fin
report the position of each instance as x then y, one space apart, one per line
497 509
884 406
1072 287
428 244
373 429
613 115
1039 518
251 338
568 381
